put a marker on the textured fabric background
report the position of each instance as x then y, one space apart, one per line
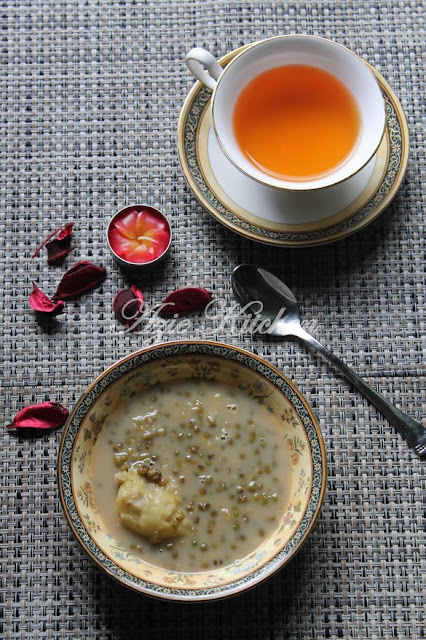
91 92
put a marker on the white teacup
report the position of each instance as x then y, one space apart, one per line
278 51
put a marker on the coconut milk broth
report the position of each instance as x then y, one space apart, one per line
223 453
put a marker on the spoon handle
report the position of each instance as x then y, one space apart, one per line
414 432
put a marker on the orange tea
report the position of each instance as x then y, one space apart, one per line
296 122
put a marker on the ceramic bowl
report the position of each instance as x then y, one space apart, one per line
188 360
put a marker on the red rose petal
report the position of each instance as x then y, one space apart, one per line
184 300
58 249
128 305
63 233
80 278
46 415
40 302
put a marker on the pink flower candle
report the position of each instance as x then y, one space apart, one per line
139 236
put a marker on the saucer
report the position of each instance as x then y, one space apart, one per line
284 218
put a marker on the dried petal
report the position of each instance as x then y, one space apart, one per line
80 278
46 415
184 300
57 249
128 305
43 304
63 233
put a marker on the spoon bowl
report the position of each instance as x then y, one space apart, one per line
276 303
278 308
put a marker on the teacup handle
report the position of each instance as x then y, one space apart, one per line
198 60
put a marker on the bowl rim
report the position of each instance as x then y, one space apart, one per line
238 585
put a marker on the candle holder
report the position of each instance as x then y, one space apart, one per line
139 237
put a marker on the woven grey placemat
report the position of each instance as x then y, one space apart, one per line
91 91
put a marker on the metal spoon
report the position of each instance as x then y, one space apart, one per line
279 313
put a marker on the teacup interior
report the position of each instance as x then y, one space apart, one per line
310 51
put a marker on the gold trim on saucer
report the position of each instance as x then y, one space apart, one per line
392 158
243 214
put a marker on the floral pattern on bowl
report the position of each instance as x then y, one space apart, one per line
191 360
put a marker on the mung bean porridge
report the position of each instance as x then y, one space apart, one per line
191 475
